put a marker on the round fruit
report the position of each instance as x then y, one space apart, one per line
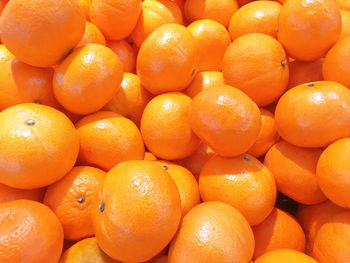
92 35
125 52
301 72
5 54
85 6
150 157
345 23
8 193
285 256
203 80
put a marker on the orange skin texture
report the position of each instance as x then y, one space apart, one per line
5 54
332 240
312 217
85 6
213 40
165 126
38 146
301 72
225 119
87 79
30 232
308 29
149 211
115 18
154 14
285 256
243 182
343 4
267 136
212 232
314 114
336 66
345 19
186 184
279 230
167 60
41 32
8 193
107 138
294 169
163 259
218 10
71 199
203 80
126 53
255 17
91 35
150 157
333 170
257 64
21 83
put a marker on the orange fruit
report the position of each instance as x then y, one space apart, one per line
325 110
285 256
180 3
84 251
308 30
154 14
225 119
85 6
186 185
107 138
345 23
257 64
163 259
267 136
212 232
8 193
44 148
116 19
255 17
165 126
332 240
149 157
167 59
218 10
125 52
294 169
5 54
91 35
29 232
41 32
203 80
87 79
343 4
2 5
242 182
212 39
333 169
279 230
71 198
144 225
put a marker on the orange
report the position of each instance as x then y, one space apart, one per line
29 232
41 32
332 240
255 17
71 198
279 230
150 157
5 54
2 5
345 23
217 10
167 60
212 232
87 79
9 194
115 18
212 39
203 80
85 6
163 259
225 119
125 52
149 211
166 129
343 4
38 146
84 251
314 114
180 3
285 256
92 35
154 14
333 169
107 138
257 64
294 169
267 136
186 185
301 72
308 29
242 182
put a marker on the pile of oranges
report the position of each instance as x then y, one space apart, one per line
180 131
